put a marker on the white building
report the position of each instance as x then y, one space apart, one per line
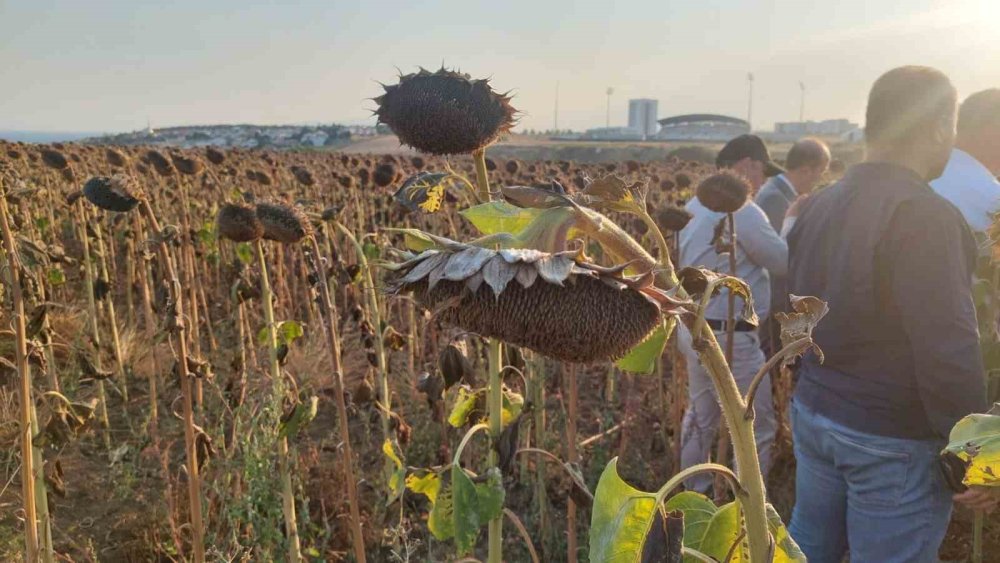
828 127
612 134
642 116
702 127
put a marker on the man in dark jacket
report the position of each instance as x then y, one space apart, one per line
902 361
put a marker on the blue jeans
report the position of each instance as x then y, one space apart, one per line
881 498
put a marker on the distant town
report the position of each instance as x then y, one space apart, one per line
643 124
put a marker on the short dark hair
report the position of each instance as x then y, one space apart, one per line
807 152
979 111
906 102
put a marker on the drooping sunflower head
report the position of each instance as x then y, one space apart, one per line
283 223
551 303
113 193
724 192
238 222
445 112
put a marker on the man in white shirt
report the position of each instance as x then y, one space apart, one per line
969 181
759 252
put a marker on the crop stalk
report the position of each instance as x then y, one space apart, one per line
371 301
330 312
495 409
176 297
571 457
109 305
977 535
722 447
278 390
28 476
95 330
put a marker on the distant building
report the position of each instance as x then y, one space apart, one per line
642 116
612 134
701 127
829 127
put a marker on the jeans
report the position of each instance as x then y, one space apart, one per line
701 419
883 499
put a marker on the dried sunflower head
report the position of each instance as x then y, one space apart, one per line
550 303
673 218
283 223
113 193
238 222
54 159
723 192
445 112
115 158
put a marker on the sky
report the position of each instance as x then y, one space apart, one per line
109 65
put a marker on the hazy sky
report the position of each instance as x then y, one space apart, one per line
108 65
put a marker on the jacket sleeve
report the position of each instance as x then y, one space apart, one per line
762 244
930 278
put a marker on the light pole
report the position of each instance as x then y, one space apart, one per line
750 100
802 101
607 120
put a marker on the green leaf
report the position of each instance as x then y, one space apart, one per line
513 404
301 416
709 529
441 520
371 250
499 217
786 550
244 252
620 519
465 403
398 477
474 505
416 240
56 277
427 484
976 441
285 332
642 358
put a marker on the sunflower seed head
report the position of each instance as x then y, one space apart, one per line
113 193
238 222
723 192
283 223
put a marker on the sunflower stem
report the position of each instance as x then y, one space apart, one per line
278 389
495 408
482 178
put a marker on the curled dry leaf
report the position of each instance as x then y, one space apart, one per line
799 324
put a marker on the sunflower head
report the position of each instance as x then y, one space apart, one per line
238 222
445 112
723 192
113 193
283 223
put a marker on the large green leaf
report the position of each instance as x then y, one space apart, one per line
474 505
976 441
499 217
620 520
642 358
713 530
285 332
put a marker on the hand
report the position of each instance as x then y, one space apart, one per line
979 498
796 206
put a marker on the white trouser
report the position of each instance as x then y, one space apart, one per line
701 420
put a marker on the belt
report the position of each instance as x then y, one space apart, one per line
741 326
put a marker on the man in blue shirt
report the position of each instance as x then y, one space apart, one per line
902 364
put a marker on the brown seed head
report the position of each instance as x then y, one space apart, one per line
115 158
673 218
159 162
723 192
187 165
215 156
284 223
54 159
445 112
238 222
385 175
113 193
303 175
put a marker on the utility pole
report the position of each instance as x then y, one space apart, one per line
802 101
750 100
555 120
607 120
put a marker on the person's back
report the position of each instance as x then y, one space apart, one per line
894 262
853 246
969 181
